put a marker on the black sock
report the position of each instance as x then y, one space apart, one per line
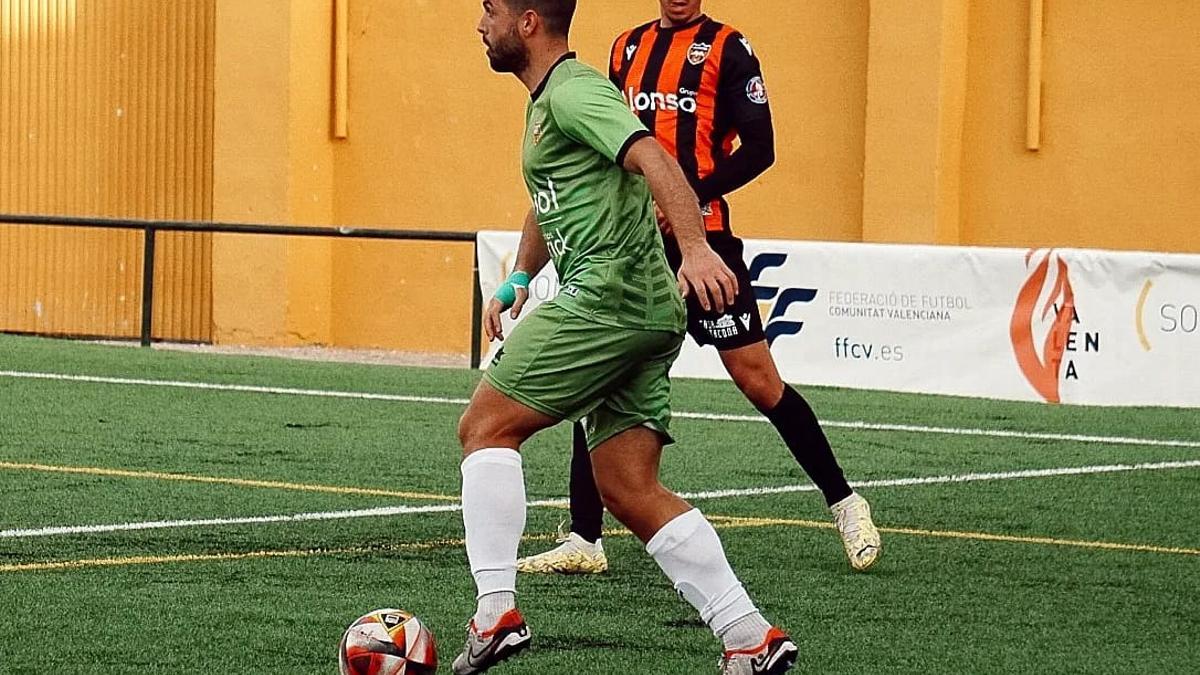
798 425
587 511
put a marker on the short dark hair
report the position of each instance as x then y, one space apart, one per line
556 13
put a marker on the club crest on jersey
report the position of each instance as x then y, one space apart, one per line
698 53
539 130
756 91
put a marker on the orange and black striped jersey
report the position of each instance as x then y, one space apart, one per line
694 86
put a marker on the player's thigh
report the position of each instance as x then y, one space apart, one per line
495 420
643 398
560 364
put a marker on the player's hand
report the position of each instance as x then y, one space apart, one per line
522 296
664 225
493 325
705 274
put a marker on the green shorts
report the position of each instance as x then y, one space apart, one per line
571 368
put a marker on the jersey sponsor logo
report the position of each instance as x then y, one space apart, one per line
556 243
698 53
656 100
546 201
746 44
756 90
630 51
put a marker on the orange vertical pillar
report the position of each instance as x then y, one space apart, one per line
916 92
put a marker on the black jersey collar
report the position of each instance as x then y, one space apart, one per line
683 26
542 87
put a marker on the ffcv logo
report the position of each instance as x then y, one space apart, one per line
774 301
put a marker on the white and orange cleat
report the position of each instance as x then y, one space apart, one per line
509 637
776 655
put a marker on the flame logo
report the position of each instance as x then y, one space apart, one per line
1043 369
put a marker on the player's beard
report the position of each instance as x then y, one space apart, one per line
508 54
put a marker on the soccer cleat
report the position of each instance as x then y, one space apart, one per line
852 516
509 637
574 555
777 654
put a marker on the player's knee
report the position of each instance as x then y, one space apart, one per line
617 503
478 430
759 382
624 498
613 494
764 394
464 428
472 428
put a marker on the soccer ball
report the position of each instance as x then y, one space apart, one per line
387 642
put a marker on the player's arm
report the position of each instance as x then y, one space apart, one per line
702 270
743 92
532 256
591 111
753 157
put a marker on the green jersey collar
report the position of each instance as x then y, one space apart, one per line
542 87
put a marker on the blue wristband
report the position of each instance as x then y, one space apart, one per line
507 293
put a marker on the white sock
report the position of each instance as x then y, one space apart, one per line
747 632
690 552
493 500
493 606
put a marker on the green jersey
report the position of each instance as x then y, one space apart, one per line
596 217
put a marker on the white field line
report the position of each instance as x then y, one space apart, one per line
863 426
245 388
450 508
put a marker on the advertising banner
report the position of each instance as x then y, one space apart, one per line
1061 326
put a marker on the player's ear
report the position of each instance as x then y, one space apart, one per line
528 23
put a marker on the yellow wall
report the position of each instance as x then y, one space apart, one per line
897 121
273 163
435 135
1120 160
913 151
105 110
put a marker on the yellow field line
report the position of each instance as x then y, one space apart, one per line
720 522
975 536
64 565
239 482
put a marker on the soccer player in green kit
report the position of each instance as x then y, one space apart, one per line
601 350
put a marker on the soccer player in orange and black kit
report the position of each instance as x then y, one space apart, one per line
698 85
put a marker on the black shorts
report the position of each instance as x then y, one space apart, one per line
740 325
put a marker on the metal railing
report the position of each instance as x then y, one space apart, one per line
151 228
